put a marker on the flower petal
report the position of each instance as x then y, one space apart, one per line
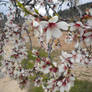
35 24
56 33
36 32
63 25
48 35
53 19
72 27
62 89
90 11
43 24
89 22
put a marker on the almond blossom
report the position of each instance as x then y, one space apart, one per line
52 75
53 28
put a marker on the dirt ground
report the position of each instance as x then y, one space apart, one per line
83 72
9 85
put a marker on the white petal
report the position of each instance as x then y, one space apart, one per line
55 89
88 34
56 33
72 78
67 88
35 23
72 24
90 10
61 68
88 41
55 64
36 33
59 83
78 22
77 45
63 60
22 14
78 58
73 28
62 89
46 70
63 25
65 54
48 35
40 30
43 24
53 19
89 22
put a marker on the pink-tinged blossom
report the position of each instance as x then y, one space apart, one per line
57 74
53 28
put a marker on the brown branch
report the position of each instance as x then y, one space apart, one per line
29 39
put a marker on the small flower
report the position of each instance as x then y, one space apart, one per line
52 28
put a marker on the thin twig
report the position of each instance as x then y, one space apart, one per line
79 10
29 39
49 49
46 6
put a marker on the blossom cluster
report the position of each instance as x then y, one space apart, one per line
58 73
58 76
52 75
13 50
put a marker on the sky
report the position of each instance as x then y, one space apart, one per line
4 9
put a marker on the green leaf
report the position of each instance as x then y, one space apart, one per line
42 53
36 11
82 86
38 89
0 60
19 4
30 56
32 78
27 64
0 64
23 8
45 77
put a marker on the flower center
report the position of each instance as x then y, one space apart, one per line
51 25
